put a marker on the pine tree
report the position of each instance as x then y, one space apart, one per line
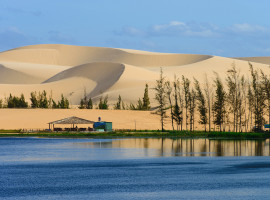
139 105
266 88
186 85
54 104
160 97
34 101
22 103
44 101
208 95
219 104
89 104
146 100
103 103
259 99
201 104
118 103
168 90
82 104
177 113
192 105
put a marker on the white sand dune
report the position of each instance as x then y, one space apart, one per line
69 70
263 60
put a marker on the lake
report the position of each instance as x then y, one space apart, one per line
134 168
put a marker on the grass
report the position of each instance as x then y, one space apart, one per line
140 133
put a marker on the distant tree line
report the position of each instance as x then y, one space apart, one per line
239 105
144 104
38 100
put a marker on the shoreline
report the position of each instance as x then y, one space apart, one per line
141 134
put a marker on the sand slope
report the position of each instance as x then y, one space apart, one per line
71 70
263 60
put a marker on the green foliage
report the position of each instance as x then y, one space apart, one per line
64 103
34 101
89 104
146 100
257 91
140 105
186 85
160 97
118 103
54 104
1 103
103 103
40 100
16 102
219 104
177 113
86 103
201 103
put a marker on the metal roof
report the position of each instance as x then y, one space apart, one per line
72 120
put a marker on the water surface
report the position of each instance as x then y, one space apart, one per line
35 168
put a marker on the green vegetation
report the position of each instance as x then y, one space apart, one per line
103 103
16 102
139 133
86 103
240 107
160 97
38 100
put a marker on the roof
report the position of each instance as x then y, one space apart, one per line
72 120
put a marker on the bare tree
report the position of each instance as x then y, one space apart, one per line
208 95
168 90
160 97
259 98
186 85
201 104
266 87
219 104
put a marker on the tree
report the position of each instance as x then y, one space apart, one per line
54 104
43 100
118 103
259 98
82 104
186 85
219 104
168 90
160 97
84 101
233 98
64 103
103 103
201 104
177 113
208 95
139 105
192 105
22 103
146 100
89 104
34 101
266 88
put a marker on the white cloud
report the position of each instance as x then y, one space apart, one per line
248 28
178 28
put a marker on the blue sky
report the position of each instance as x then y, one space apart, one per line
230 28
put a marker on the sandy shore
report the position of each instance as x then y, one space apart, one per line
39 118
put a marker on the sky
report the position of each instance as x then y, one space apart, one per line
231 28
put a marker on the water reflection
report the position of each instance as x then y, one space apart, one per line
187 147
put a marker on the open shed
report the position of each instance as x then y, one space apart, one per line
72 121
